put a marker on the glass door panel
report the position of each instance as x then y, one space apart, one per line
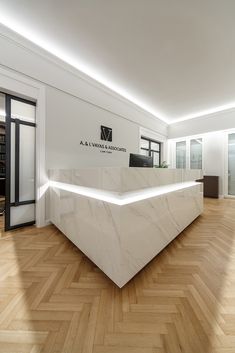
12 162
231 164
23 214
156 158
27 163
144 144
196 154
20 191
2 154
155 146
144 152
150 147
22 111
181 154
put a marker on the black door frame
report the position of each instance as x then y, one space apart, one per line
9 120
150 150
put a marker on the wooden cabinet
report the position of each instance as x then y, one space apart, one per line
211 186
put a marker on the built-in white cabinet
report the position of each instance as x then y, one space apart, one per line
187 153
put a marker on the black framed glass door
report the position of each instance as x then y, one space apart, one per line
20 162
149 147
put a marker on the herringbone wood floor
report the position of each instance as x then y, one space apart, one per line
53 299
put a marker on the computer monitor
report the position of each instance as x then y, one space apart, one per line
138 160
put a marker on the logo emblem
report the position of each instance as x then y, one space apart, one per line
106 133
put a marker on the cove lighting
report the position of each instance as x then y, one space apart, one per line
205 112
125 198
21 29
43 189
29 34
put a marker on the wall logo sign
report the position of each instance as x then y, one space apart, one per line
106 133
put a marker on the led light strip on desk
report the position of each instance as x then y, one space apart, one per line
124 198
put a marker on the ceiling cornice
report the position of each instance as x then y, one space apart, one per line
10 34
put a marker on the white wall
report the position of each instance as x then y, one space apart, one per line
213 155
214 122
76 106
42 66
71 121
213 129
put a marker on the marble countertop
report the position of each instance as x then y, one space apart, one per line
123 179
122 217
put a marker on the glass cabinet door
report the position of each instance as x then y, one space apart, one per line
181 154
196 153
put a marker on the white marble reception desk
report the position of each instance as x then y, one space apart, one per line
123 217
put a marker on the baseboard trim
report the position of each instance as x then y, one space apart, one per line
46 223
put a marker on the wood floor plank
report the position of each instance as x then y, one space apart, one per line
55 300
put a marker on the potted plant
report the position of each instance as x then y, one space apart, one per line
162 165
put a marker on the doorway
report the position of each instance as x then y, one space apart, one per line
231 164
17 161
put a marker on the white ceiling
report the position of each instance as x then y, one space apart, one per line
176 58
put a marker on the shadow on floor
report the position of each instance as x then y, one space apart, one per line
53 299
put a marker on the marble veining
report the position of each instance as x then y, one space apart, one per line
122 238
123 179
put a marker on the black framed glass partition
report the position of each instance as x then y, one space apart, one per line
149 147
20 162
2 156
